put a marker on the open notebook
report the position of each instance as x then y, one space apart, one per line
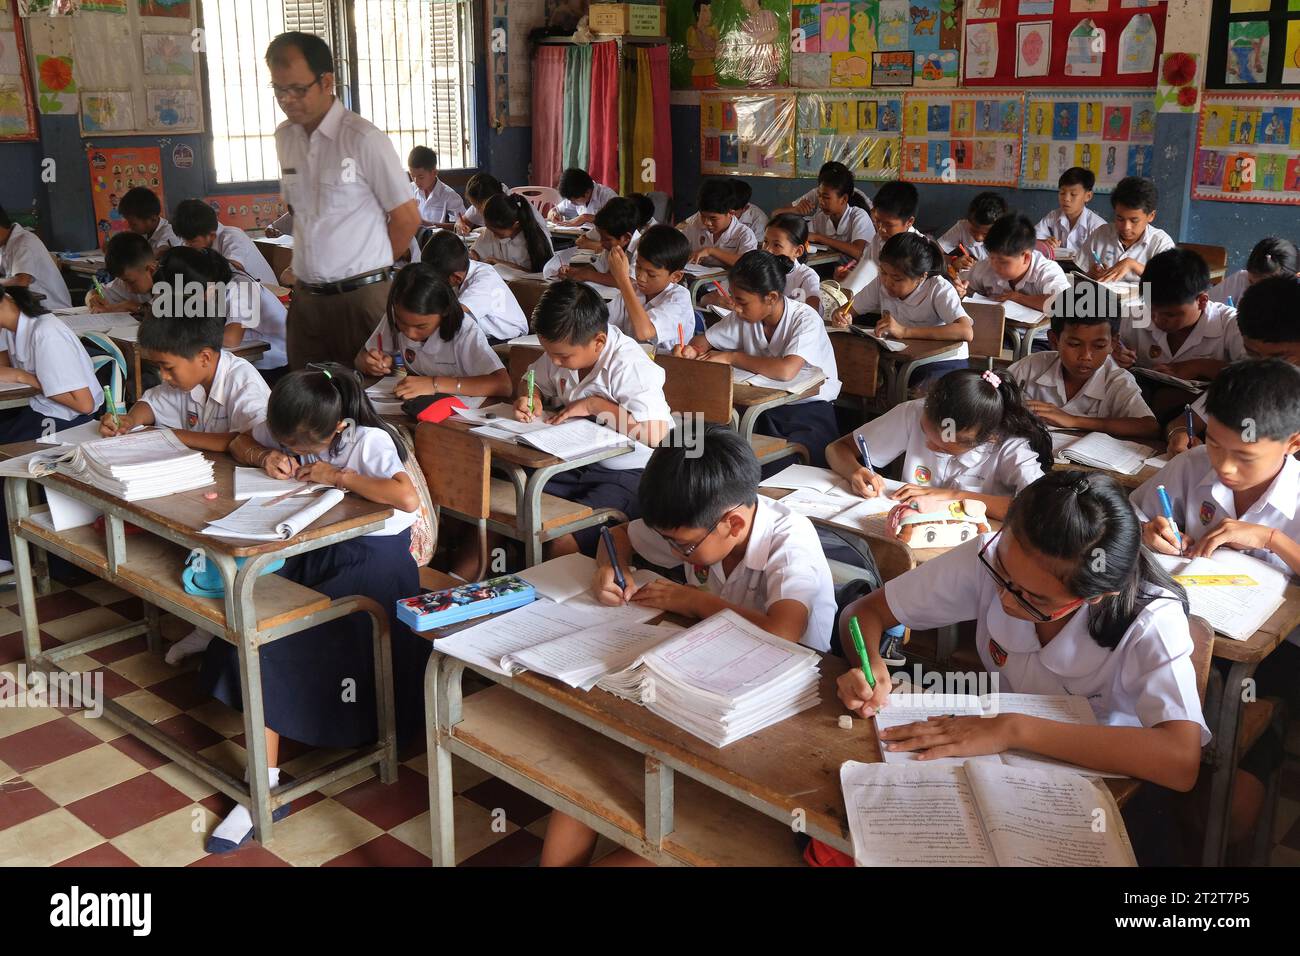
820 493
808 376
575 438
1234 592
892 345
269 520
1099 450
1013 311
979 814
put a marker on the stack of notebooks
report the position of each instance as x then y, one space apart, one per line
131 467
1099 450
721 680
575 438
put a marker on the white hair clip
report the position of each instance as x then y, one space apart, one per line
992 378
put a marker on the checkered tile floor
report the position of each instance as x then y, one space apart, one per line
76 791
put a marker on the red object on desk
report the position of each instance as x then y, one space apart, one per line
127 527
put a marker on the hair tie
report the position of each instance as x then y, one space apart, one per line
1081 486
992 378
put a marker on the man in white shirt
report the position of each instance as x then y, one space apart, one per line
354 214
24 261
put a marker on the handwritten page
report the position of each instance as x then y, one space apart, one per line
1235 610
574 438
78 434
1099 450
571 576
261 521
581 659
86 321
255 483
808 376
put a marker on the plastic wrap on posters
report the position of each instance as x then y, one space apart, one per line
862 131
1248 148
1113 134
962 137
750 135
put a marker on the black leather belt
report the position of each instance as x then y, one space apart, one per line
347 285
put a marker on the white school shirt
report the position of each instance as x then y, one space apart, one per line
960 233
1103 249
1110 392
1044 277
255 307
753 219
25 254
236 403
670 311
803 283
51 351
800 332
485 296
854 224
622 374
736 238
783 561
467 355
600 194
1214 336
340 183
440 204
811 196
116 292
1233 287
1145 680
164 236
932 303
370 452
513 250
235 245
993 468
1056 225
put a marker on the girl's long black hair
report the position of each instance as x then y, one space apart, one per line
310 403
970 400
1085 519
760 273
28 302
420 288
504 212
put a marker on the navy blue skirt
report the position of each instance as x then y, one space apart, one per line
811 424
598 487
24 424
303 676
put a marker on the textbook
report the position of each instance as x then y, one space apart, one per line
1099 450
1012 311
258 520
892 345
572 439
979 814
1188 384
132 467
434 609
1234 592
807 377
722 679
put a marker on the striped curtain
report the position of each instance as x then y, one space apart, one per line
548 114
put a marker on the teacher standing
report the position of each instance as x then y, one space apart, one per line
353 213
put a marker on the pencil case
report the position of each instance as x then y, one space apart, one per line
432 408
435 609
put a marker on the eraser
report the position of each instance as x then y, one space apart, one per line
211 496
846 722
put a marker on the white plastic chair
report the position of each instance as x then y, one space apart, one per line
541 198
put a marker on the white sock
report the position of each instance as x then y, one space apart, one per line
239 821
6 566
195 642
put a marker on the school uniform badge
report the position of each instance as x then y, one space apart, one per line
997 652
921 475
191 420
1208 510
1154 351
409 355
701 575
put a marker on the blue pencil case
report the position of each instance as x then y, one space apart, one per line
435 609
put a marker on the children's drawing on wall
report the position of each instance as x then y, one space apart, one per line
981 51
702 46
1137 46
1247 52
743 43
756 45
1084 51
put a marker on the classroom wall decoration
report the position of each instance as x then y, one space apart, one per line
748 135
861 131
1177 90
1248 149
53 65
1113 134
510 94
247 210
1044 42
112 172
963 137
17 114
1254 44
730 43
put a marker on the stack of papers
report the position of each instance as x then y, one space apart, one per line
820 493
1235 593
260 520
699 269
721 680
132 467
808 376
1099 450
77 435
381 396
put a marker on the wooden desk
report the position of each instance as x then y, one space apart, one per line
752 401
17 397
899 366
278 256
254 611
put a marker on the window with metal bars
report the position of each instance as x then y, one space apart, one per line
409 70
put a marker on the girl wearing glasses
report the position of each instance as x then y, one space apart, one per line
970 437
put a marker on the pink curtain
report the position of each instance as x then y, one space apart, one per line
603 164
548 114
663 126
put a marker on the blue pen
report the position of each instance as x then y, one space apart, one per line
613 558
1168 509
862 450
1231 304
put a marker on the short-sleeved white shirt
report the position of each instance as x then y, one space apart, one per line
235 245
600 194
1110 392
341 183
1103 249
256 308
961 233
753 219
25 254
1233 287
116 292
800 332
855 224
932 303
671 311
623 374
485 296
164 236
514 249
439 204
1214 336
1044 277
994 468
51 351
1056 225
736 238
236 403
868 265
1145 680
803 283
467 355
783 561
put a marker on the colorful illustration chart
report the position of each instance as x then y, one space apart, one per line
963 137
1113 134
864 132
1248 148
114 171
748 135
248 210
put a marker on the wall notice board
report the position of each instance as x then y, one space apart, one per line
1248 148
861 130
1111 133
747 134
972 138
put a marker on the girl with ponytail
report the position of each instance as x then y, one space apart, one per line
514 235
971 437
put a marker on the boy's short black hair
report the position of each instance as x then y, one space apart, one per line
126 250
684 487
421 157
1176 277
445 251
838 177
986 209
1078 176
744 193
1136 192
664 248
1012 235
645 209
1065 313
570 311
1270 310
183 335
898 198
1263 393
618 217
194 218
313 49
139 203
575 183
5 221
716 195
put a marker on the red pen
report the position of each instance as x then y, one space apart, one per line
681 336
719 288
962 250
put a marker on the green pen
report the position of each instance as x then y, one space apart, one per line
529 378
112 406
855 632
99 288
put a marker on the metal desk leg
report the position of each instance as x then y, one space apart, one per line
16 503
442 698
241 623
658 801
530 512
386 705
153 636
1225 730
